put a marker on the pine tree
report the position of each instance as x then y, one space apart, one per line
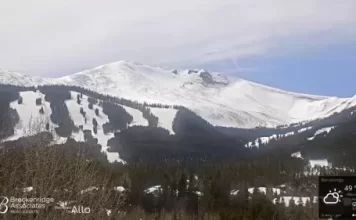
269 193
281 208
256 191
38 101
82 112
300 202
20 100
182 186
191 183
41 110
95 123
292 209
78 99
244 196
164 199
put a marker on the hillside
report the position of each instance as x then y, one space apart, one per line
221 100
123 130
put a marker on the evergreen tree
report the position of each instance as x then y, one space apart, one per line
38 101
41 110
191 183
244 197
292 209
182 186
82 112
20 100
281 209
165 197
78 99
269 193
95 123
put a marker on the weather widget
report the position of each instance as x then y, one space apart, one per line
337 197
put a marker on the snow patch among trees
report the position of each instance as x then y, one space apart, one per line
165 117
31 121
321 131
319 162
297 155
86 123
138 119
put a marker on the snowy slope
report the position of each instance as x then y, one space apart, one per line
165 117
220 100
14 78
79 120
31 121
320 131
223 101
138 119
266 140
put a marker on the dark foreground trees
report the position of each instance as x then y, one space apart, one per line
187 189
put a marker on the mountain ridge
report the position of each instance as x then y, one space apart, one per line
222 100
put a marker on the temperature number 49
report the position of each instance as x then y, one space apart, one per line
348 188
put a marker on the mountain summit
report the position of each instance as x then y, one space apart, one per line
221 100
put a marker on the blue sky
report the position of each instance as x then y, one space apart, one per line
324 71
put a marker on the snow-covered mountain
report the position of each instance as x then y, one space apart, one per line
14 78
221 100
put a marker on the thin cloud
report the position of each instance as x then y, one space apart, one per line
60 37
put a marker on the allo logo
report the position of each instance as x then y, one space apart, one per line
3 204
80 210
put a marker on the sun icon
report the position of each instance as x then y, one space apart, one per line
333 197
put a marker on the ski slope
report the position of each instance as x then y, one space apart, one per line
31 121
79 120
165 117
138 119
